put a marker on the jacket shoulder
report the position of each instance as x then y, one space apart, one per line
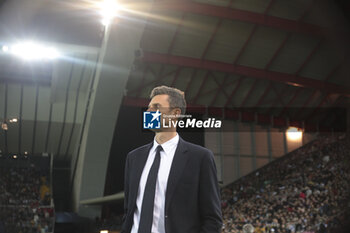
139 150
197 149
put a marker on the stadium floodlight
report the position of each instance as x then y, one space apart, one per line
5 48
104 231
4 126
13 120
108 10
33 51
294 134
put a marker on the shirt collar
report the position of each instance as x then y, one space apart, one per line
168 145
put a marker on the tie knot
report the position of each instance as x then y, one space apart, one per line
159 148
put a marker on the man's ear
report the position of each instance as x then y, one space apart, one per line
177 111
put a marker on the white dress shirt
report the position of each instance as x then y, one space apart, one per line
166 159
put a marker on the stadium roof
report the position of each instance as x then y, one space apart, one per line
280 58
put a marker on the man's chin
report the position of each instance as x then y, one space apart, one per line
156 130
160 130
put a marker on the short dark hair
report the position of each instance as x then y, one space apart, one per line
176 97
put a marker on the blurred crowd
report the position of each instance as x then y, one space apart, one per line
23 186
25 200
25 219
306 191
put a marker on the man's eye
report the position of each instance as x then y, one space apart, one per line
153 108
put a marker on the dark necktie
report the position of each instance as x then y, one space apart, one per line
146 220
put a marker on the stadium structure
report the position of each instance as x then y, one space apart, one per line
75 78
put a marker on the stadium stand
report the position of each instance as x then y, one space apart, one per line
305 191
25 196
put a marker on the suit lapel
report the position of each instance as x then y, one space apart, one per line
179 162
139 164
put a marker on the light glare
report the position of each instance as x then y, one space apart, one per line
294 134
4 126
33 51
13 120
5 48
108 10
105 22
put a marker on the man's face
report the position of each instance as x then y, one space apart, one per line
161 103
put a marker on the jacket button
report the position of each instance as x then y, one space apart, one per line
166 216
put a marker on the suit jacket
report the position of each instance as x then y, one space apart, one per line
192 202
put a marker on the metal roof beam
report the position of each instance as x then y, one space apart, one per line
285 78
219 89
229 99
241 15
200 89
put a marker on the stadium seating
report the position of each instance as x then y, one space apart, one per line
305 191
25 198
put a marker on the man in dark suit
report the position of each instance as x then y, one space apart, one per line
170 184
